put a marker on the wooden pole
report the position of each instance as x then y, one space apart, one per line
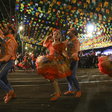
10 12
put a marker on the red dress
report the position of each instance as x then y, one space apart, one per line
105 65
25 63
54 65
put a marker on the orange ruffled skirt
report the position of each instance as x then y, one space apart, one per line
24 64
52 68
105 65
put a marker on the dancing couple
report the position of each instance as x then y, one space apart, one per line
60 63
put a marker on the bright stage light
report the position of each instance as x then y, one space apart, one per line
20 28
26 48
90 28
30 53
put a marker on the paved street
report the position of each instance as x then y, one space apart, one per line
33 93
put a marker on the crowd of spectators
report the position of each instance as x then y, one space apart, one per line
89 60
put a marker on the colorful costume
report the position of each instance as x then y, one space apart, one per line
25 63
8 48
105 65
7 57
72 45
16 62
53 65
33 62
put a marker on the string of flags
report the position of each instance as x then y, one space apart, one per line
41 17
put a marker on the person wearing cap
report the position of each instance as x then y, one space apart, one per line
7 57
73 46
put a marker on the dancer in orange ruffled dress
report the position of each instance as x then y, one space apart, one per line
105 65
25 64
54 65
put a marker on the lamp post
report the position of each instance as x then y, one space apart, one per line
22 48
20 28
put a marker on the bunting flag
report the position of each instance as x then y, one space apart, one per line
41 17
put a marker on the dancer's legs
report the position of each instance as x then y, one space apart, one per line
56 90
3 73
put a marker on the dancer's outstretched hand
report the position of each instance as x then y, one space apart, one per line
50 36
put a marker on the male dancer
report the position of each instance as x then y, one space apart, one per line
73 46
7 57
33 61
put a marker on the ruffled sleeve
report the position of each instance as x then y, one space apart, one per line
65 43
48 44
62 47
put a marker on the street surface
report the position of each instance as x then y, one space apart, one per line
33 93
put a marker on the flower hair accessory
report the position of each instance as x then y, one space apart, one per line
57 31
